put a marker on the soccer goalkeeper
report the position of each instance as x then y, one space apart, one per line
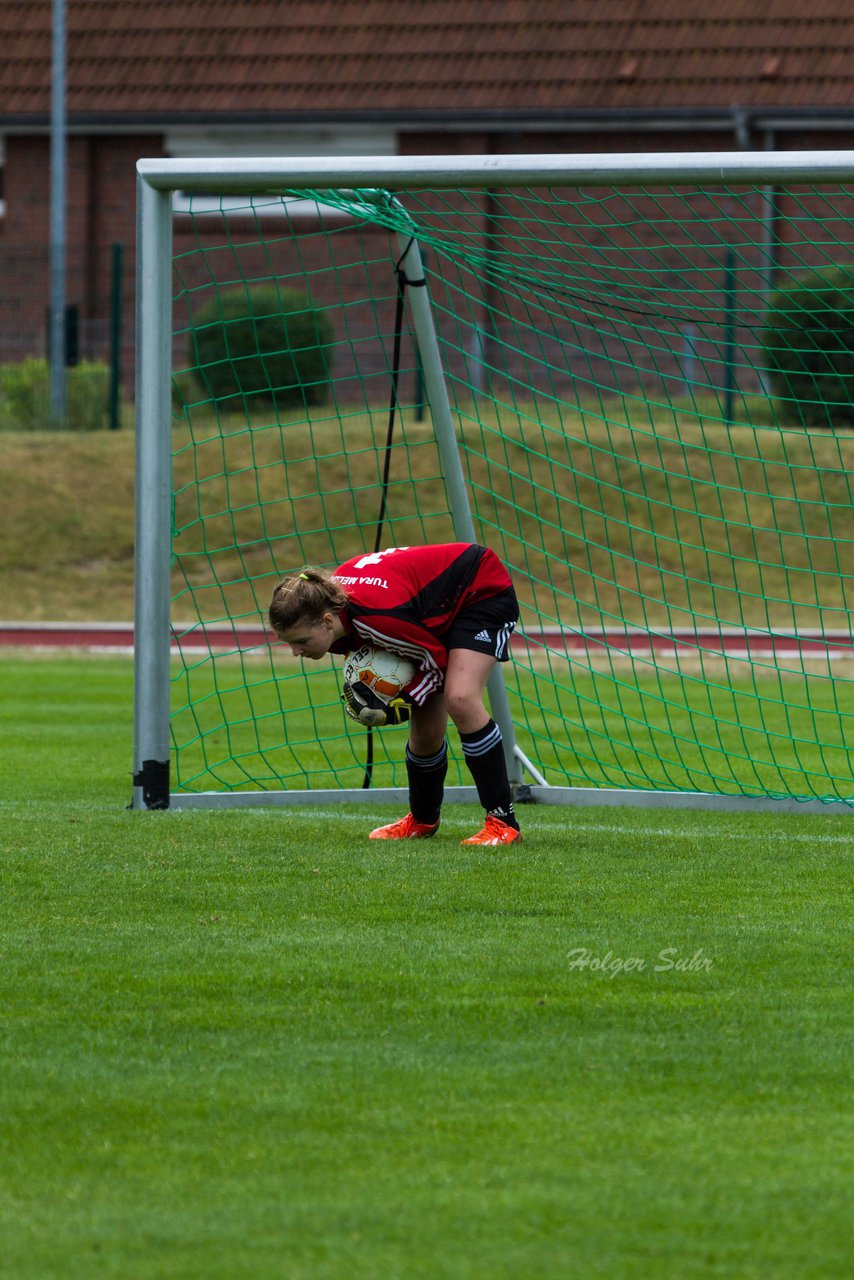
450 608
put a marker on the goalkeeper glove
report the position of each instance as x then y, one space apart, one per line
363 705
397 710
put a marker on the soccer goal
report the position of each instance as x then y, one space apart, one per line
631 376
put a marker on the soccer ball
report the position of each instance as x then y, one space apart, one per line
383 672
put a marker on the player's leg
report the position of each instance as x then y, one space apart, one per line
426 767
427 759
428 725
483 747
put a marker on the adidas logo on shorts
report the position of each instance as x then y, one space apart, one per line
484 635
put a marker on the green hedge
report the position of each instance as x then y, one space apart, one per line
269 344
25 396
809 348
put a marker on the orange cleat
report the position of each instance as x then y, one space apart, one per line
406 829
495 832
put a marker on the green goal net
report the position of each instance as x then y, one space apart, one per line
651 392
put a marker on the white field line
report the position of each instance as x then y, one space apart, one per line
572 827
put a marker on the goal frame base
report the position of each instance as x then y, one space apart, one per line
582 797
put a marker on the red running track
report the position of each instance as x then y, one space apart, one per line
724 641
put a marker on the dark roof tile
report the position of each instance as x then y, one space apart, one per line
233 56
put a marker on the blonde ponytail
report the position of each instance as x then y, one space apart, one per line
304 597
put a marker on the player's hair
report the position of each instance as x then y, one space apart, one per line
305 597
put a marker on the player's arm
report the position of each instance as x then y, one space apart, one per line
362 704
415 643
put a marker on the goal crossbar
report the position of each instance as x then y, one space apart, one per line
397 173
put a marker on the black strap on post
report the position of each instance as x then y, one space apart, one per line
153 778
393 404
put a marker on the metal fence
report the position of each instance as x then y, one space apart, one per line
95 356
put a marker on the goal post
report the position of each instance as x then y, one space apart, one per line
564 357
153 521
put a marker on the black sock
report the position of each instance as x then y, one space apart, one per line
426 783
484 753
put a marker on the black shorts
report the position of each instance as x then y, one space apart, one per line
486 627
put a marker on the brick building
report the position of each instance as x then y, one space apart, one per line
255 77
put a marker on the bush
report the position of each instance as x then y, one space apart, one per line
266 343
809 348
25 396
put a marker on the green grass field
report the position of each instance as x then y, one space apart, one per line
270 721
255 1044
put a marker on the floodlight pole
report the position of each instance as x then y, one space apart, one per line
58 170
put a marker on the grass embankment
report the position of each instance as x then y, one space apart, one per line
678 523
66 526
257 1044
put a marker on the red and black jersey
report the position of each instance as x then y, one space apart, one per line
406 598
